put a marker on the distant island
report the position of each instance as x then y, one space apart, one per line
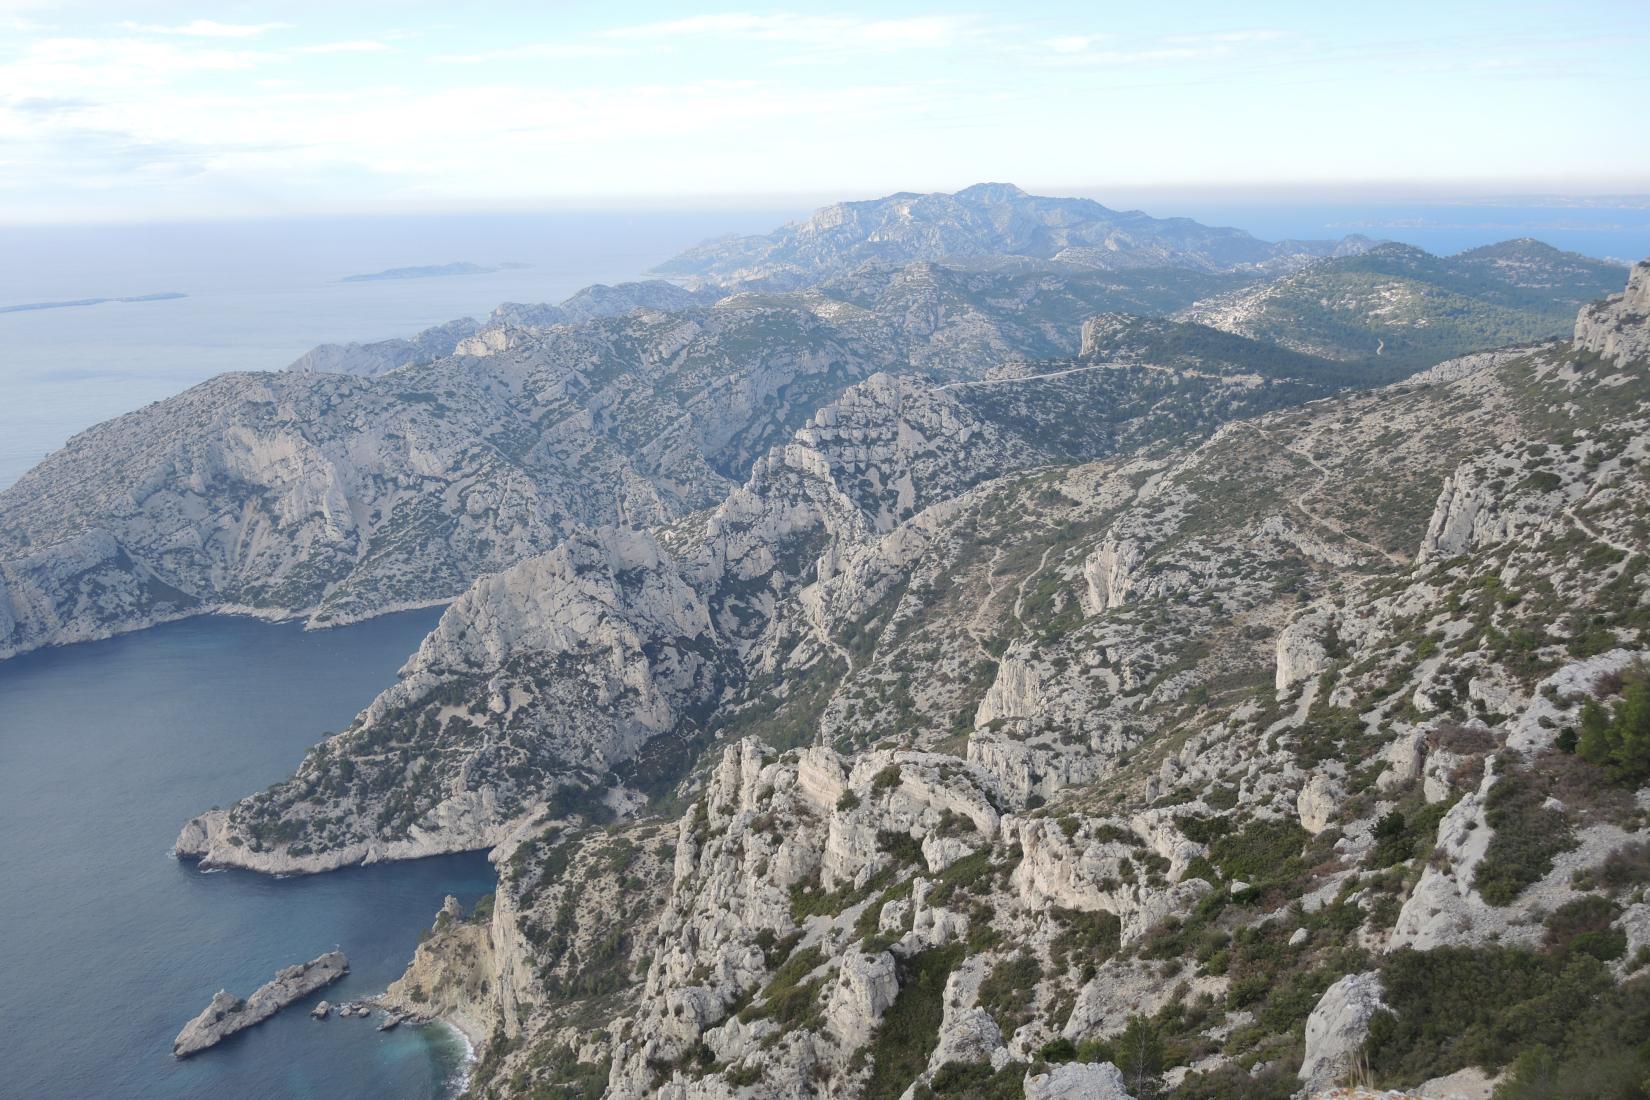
162 297
433 271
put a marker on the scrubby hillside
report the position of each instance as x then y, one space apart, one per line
1312 750
1403 307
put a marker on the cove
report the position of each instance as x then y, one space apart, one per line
108 944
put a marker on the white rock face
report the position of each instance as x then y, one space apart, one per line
865 988
1337 1028
1077 1081
1108 575
970 1035
1318 802
1016 693
1619 327
1303 648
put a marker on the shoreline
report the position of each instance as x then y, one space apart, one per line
459 1080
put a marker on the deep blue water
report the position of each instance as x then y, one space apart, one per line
108 945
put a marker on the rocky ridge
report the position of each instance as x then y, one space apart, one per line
1218 752
549 674
339 496
1401 306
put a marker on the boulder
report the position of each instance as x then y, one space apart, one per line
1338 1027
1317 803
1077 1081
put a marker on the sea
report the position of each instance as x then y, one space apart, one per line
107 944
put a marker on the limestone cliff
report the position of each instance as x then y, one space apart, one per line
1231 791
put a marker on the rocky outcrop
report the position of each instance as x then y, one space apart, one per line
1078 1081
1337 1028
228 1013
1303 648
454 975
1618 328
1319 800
383 356
1108 575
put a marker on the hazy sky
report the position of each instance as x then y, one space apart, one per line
138 110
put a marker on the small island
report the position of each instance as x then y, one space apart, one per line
72 303
432 271
228 1014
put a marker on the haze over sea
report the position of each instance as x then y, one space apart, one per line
260 293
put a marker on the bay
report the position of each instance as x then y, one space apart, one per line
109 944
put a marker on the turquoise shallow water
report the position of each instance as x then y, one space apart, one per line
107 944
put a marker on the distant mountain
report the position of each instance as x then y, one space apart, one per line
988 219
1409 308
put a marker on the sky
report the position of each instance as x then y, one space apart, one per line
154 111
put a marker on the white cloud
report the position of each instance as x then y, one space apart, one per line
209 28
824 31
552 51
1098 49
362 46
1074 43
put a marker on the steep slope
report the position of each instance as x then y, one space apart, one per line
491 673
308 493
1279 754
337 497
1405 307
373 477
988 219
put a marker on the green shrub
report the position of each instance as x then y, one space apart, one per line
1602 1055
911 1026
1400 837
1058 1050
1261 852
788 1000
977 1081
1618 740
1584 925
1233 1082
1006 992
886 779
743 1076
1527 836
1455 1007
1086 938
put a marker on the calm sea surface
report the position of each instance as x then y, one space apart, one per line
108 945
